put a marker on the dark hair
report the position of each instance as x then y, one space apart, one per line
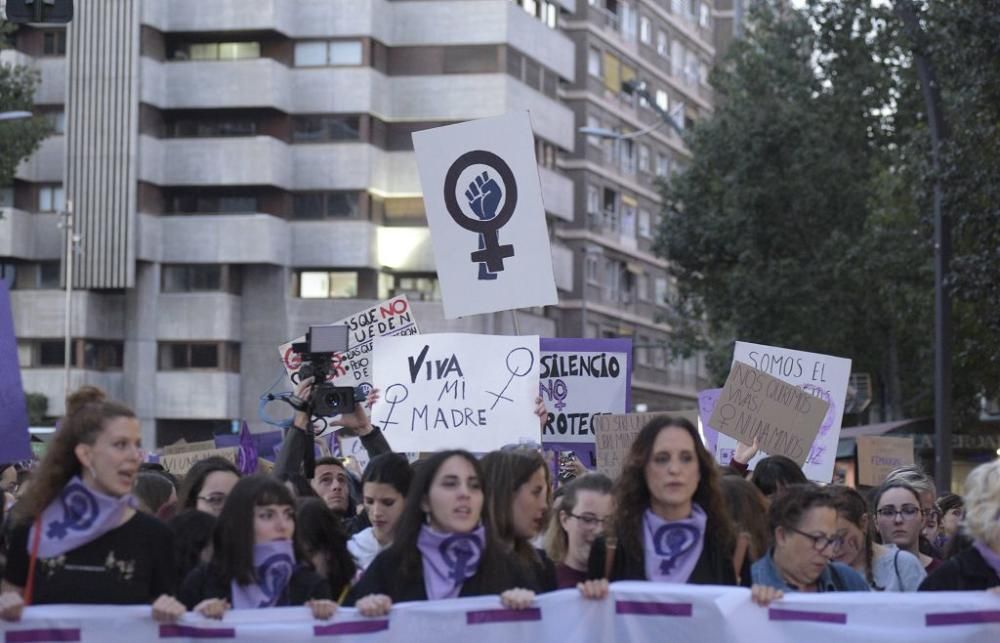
949 501
234 530
632 495
318 530
793 501
328 459
87 413
152 489
194 480
775 472
505 472
556 540
391 469
748 512
192 534
851 506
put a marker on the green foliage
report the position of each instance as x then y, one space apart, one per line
18 139
38 409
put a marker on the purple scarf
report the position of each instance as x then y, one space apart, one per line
449 560
273 565
672 548
991 557
76 517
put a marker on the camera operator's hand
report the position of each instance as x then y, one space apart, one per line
302 391
358 423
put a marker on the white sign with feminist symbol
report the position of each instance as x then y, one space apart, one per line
484 207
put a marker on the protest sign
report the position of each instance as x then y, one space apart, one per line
782 417
393 317
454 390
579 380
616 433
823 376
180 463
878 456
183 446
483 200
15 442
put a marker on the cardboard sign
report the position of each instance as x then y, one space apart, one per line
823 376
616 433
484 208
15 441
392 317
756 406
579 380
183 446
456 391
878 456
180 463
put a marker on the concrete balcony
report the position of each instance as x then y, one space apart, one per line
333 244
530 35
557 193
209 395
219 15
42 314
222 238
354 166
50 382
27 235
253 160
198 316
338 89
47 164
216 84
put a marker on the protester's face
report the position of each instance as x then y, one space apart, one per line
585 523
531 502
330 484
951 520
215 490
796 553
929 506
273 522
384 506
8 480
853 550
454 503
672 473
899 528
112 461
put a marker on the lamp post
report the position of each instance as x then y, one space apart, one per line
72 242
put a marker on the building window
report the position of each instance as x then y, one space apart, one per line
594 62
54 42
660 296
704 15
326 128
593 268
45 275
643 158
196 202
643 286
218 51
56 120
90 354
645 30
326 205
660 357
323 53
216 356
416 286
51 198
677 113
642 350
191 278
212 128
662 165
661 44
645 224
315 284
661 99
6 196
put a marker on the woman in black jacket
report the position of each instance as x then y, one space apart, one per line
443 545
670 522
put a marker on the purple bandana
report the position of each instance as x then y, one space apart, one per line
449 560
273 565
76 517
991 557
672 548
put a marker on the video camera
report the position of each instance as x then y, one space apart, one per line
317 352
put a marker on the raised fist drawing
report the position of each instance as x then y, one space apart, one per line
484 196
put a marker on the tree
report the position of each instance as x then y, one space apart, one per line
18 139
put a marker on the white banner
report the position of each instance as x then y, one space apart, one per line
484 207
456 391
824 376
633 611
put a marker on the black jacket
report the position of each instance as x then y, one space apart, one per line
965 572
206 581
293 450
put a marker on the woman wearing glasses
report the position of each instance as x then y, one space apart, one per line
207 485
584 509
803 521
899 519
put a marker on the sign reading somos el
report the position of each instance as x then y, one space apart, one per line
456 391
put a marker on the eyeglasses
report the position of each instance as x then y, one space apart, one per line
589 521
908 512
821 542
215 500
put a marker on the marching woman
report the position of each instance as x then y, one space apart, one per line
383 488
256 558
77 537
900 519
207 484
322 537
670 522
442 546
583 510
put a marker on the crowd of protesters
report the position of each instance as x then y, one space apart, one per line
95 524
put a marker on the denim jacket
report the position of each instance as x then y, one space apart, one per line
837 577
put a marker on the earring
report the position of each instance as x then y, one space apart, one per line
93 472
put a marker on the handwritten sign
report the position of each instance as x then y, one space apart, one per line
393 317
454 390
823 376
878 456
484 207
581 379
180 463
616 433
782 417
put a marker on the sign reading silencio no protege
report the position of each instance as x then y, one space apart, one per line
781 416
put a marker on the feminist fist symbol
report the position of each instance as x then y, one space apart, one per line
484 198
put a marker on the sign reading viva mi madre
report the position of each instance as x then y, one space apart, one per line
483 200
456 391
579 380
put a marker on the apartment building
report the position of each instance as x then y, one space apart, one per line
240 169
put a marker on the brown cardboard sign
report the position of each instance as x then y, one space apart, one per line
783 417
614 435
878 456
180 463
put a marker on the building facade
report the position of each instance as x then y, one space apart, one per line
241 169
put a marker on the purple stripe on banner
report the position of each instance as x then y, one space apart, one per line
190 632
480 617
351 627
653 608
813 617
963 618
42 636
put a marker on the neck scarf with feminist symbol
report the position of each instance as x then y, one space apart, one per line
273 566
79 515
672 547
449 560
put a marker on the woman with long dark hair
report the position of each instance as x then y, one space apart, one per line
384 486
207 484
443 545
256 561
325 543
